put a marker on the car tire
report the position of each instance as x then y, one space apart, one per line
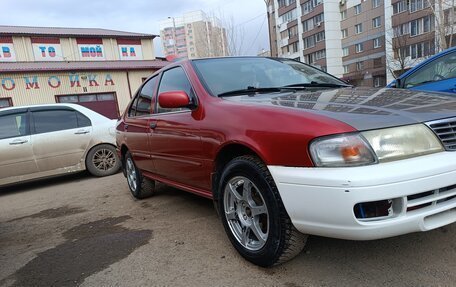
253 214
102 160
140 186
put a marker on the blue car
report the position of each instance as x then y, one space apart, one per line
437 73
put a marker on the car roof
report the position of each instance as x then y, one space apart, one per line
88 112
427 61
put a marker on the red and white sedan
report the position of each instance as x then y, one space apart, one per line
286 150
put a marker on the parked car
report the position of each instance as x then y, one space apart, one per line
285 150
437 73
48 140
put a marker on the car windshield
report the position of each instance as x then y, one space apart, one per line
225 75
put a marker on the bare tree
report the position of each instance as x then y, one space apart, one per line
443 11
399 61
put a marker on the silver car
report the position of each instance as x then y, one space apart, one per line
47 140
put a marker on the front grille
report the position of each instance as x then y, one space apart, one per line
431 198
446 131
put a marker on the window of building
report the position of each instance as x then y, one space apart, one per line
346 69
13 125
357 9
376 3
377 22
345 51
377 42
283 3
309 6
313 57
5 102
359 28
359 47
400 6
174 79
379 82
420 26
343 14
313 22
344 33
360 66
416 5
313 39
293 31
289 16
420 50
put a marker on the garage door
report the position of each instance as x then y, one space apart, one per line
105 104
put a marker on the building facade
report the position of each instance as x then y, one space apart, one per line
194 35
97 68
364 42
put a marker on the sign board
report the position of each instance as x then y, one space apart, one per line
130 52
7 53
47 52
91 52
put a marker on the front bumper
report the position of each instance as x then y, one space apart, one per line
321 201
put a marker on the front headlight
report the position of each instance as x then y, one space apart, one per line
402 142
341 150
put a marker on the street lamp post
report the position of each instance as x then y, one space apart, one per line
174 35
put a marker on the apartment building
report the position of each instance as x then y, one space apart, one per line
365 42
194 35
97 68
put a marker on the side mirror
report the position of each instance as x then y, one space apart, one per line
174 100
393 84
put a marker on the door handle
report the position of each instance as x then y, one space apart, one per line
81 132
153 125
18 141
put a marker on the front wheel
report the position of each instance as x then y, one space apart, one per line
253 214
140 186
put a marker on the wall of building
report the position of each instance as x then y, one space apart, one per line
27 49
43 88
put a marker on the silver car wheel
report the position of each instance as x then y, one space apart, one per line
104 159
246 213
131 174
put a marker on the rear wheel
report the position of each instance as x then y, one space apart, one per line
140 186
253 214
102 160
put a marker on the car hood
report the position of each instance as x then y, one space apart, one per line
364 108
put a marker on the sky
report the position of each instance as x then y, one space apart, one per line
248 17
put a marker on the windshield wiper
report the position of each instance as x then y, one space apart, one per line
252 90
316 84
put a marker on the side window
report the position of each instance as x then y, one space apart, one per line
54 120
142 103
13 125
83 121
440 69
174 80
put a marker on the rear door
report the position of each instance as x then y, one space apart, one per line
137 125
60 137
16 154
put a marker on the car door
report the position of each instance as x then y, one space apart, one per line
137 126
60 136
175 141
16 154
